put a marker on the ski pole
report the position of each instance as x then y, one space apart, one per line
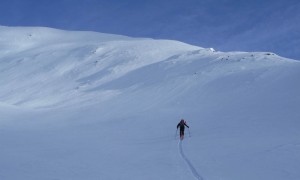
189 132
176 133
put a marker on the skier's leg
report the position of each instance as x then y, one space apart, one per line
181 134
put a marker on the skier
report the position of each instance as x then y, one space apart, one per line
181 124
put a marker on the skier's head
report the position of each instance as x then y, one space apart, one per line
182 121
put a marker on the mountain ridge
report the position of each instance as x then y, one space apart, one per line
88 60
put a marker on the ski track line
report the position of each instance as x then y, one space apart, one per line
190 165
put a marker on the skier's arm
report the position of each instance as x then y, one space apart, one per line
186 125
178 125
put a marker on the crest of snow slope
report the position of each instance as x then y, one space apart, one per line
116 101
46 67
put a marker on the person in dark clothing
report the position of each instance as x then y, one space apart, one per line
182 125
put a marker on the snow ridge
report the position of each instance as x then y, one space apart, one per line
188 162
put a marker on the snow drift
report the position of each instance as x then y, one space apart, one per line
86 105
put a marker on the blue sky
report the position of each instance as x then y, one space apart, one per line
226 25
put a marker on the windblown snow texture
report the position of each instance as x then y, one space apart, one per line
86 105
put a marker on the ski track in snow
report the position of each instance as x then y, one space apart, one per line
190 165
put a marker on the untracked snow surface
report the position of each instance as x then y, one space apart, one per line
90 106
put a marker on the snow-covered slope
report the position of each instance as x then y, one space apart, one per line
85 105
45 67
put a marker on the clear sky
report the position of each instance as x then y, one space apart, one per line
226 25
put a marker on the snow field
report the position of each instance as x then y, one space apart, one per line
85 105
